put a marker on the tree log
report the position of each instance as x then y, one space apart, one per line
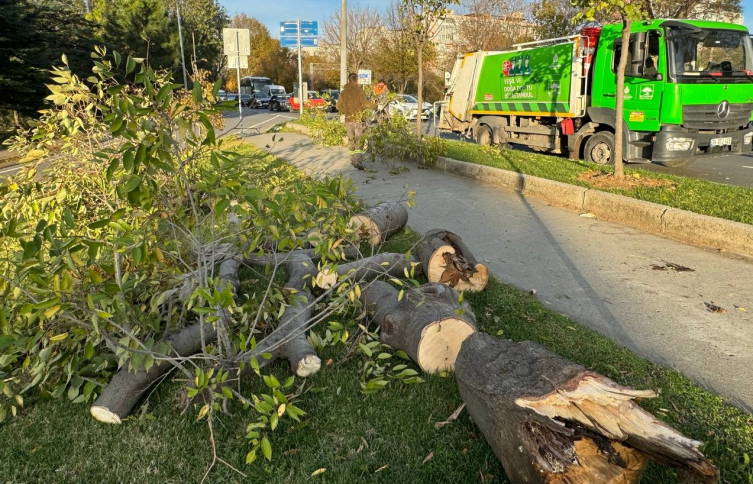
429 323
550 420
377 224
368 269
446 259
347 252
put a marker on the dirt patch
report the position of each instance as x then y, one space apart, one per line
600 179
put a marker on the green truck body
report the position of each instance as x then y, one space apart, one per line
688 90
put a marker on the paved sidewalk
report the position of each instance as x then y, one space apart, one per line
598 273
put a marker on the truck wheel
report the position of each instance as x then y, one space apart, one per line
600 148
674 163
484 136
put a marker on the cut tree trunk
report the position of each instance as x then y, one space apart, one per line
446 259
368 269
550 420
377 224
428 323
346 252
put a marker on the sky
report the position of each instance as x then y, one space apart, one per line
272 12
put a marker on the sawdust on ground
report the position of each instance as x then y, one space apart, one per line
599 179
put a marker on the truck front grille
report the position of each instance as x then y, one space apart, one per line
703 116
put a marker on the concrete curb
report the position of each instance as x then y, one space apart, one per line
682 225
298 128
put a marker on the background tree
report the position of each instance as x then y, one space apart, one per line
553 18
142 29
702 9
203 21
421 19
490 25
362 36
33 35
627 13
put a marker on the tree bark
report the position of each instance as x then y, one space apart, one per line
620 99
368 269
550 420
446 259
429 323
379 223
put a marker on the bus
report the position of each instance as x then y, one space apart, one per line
251 84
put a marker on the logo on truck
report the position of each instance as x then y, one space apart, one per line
722 111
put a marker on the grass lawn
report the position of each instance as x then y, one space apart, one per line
384 437
699 196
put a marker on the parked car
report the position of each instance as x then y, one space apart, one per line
278 98
408 106
331 96
314 101
260 99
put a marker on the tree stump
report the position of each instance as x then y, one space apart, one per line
550 420
377 224
429 323
446 259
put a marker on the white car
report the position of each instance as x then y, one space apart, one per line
408 106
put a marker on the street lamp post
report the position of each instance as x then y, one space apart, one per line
180 39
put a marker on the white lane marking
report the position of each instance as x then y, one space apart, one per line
6 170
270 119
747 166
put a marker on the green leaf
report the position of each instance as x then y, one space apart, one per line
198 95
130 64
88 350
251 456
216 87
221 206
266 448
132 184
6 340
273 421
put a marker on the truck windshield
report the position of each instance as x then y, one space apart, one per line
710 55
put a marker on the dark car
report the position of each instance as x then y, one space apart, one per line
331 96
260 99
278 99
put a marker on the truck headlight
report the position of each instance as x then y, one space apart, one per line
679 144
747 138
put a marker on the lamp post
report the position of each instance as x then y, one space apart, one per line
343 46
180 39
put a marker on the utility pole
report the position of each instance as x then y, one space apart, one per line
300 72
343 46
182 55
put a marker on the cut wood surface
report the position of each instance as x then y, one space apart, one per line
369 268
550 420
428 323
445 258
377 224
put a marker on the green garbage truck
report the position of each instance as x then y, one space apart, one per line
688 91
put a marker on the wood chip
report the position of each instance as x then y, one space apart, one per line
428 457
713 308
453 417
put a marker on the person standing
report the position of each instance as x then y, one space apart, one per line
351 103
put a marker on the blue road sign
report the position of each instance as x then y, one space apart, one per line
293 42
289 29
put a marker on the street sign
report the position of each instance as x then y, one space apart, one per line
309 34
292 43
231 40
364 77
235 62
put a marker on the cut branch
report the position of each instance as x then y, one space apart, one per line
377 224
368 269
446 259
429 323
550 420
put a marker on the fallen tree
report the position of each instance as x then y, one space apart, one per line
428 323
550 420
446 259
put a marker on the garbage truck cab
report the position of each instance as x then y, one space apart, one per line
688 91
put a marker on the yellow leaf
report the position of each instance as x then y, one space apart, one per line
318 471
202 413
281 410
58 337
78 261
51 312
13 187
158 253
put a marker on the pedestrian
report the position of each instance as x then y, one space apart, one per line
351 103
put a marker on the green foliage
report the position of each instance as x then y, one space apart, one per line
325 131
394 139
203 21
381 365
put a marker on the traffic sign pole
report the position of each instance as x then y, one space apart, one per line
300 70
238 70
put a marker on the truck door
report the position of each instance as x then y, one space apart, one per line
644 86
